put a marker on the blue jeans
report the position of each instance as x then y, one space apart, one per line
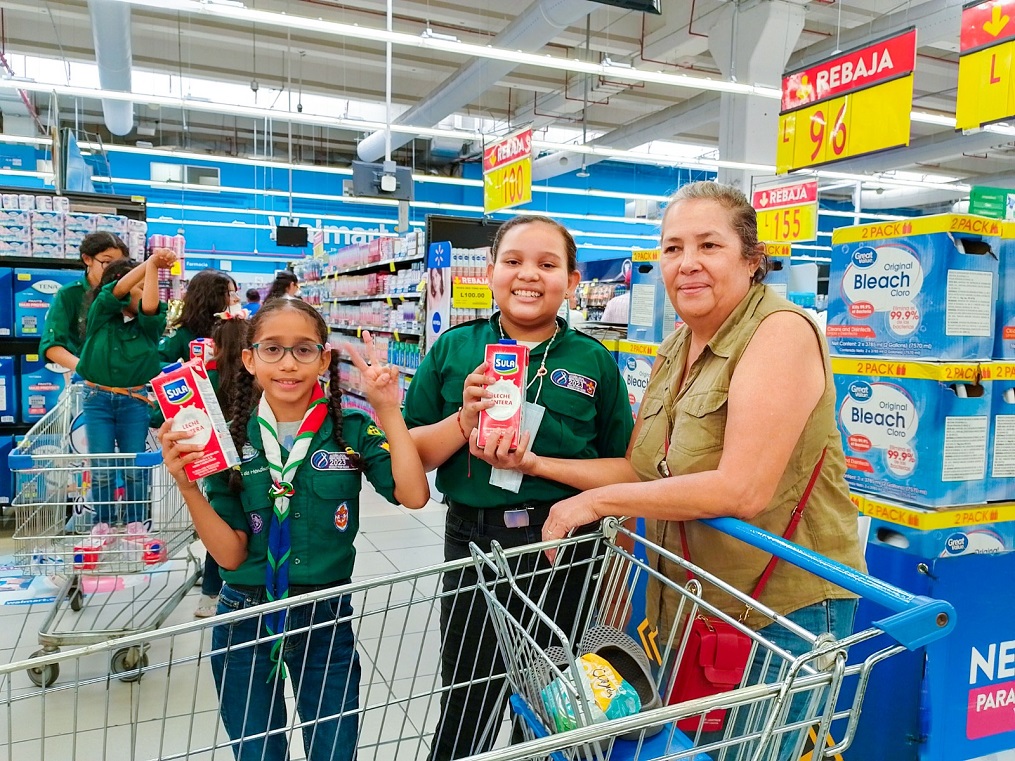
832 616
323 664
114 422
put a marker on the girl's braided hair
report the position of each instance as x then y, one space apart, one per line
246 394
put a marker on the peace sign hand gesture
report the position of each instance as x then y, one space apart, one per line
380 380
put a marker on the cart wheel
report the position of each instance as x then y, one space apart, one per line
43 676
76 599
128 663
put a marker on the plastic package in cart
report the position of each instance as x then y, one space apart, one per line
609 695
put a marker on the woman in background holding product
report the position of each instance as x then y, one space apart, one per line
574 386
285 284
64 331
738 420
209 293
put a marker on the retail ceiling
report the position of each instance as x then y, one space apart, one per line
216 40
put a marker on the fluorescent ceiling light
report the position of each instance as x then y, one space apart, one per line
354 31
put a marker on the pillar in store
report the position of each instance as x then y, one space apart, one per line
751 43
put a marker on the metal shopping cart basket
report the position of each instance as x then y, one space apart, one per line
782 697
170 708
113 579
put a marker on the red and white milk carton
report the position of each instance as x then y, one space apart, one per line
186 395
509 362
202 349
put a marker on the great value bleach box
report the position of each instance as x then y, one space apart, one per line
914 431
963 530
1004 332
635 361
42 383
778 273
921 288
6 301
652 316
1000 376
33 294
8 390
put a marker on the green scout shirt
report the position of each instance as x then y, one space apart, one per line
324 509
588 414
175 345
117 353
64 318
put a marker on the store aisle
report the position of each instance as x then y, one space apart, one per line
183 713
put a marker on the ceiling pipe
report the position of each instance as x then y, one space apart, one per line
529 32
111 35
688 115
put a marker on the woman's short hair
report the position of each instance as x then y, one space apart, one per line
743 218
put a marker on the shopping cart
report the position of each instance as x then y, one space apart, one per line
169 709
113 579
781 698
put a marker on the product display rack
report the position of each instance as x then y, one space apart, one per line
132 207
320 278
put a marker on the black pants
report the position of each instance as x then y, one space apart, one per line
471 715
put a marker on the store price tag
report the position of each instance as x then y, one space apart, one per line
471 296
391 266
856 103
986 54
507 172
788 213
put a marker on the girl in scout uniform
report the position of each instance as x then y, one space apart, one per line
118 358
576 384
64 332
283 523
209 292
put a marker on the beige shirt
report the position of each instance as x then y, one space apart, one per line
693 421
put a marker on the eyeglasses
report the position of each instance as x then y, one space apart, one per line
272 353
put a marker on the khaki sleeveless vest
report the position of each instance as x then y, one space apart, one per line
693 420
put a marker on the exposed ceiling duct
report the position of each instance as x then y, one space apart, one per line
689 115
111 34
529 32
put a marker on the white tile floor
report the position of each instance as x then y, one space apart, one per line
172 711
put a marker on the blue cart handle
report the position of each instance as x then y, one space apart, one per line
917 620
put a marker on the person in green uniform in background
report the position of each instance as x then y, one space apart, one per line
209 292
64 331
585 415
118 358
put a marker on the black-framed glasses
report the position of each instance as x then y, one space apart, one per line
304 353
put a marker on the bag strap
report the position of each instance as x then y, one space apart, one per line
794 521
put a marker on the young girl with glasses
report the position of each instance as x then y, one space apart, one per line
283 523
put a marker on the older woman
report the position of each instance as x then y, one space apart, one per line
738 414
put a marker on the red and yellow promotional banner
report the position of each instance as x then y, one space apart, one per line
987 48
787 213
507 172
856 103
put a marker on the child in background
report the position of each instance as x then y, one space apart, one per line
120 356
308 519
209 292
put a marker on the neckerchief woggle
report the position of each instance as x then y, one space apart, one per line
281 492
